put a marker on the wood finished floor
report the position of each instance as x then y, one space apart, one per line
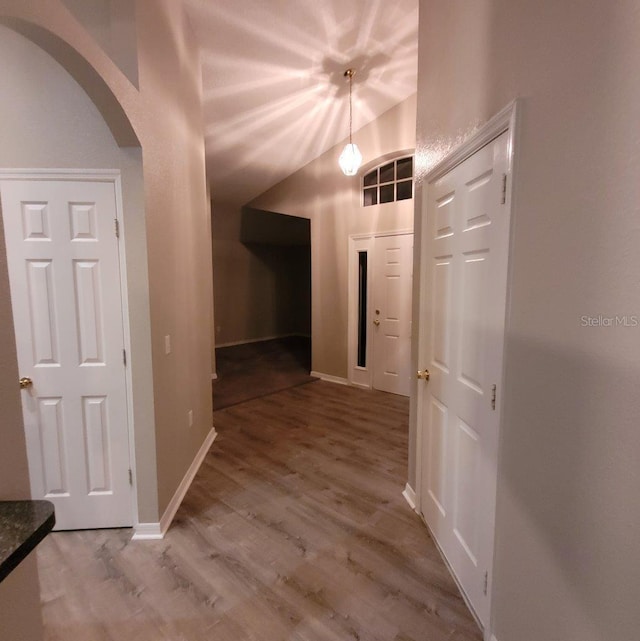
252 370
294 529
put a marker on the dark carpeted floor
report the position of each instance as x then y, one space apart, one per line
257 369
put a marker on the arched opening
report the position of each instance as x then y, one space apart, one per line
84 74
58 114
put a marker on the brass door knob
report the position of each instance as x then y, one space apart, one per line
376 322
25 382
423 374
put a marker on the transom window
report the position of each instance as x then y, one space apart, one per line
389 182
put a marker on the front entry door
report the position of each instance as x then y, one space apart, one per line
466 248
62 253
391 318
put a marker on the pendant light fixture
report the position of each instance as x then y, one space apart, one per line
350 158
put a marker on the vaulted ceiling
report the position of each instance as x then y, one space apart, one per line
275 96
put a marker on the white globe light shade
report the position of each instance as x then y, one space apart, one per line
350 159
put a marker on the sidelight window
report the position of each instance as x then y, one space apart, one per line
362 309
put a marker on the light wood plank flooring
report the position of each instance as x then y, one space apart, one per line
294 530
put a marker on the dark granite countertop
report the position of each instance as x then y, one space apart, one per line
23 524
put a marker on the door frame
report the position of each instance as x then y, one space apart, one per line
112 176
504 121
362 376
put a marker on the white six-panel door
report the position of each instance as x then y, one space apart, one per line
65 287
391 318
467 240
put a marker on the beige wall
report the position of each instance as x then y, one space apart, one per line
20 603
260 287
112 24
568 513
14 475
178 221
165 114
19 593
320 192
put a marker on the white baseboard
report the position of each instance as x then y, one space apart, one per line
410 496
330 378
147 532
247 341
154 531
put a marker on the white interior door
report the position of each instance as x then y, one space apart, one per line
391 318
465 251
65 288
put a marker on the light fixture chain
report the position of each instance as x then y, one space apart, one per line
350 158
350 109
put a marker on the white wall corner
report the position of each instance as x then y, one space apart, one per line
330 378
155 531
410 496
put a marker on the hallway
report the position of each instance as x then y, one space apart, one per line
294 529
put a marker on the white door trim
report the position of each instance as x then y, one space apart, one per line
361 376
93 175
112 176
380 234
505 121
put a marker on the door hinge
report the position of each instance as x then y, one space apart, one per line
124 357
503 200
117 228
131 480
486 581
493 396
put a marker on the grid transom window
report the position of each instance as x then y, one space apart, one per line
389 182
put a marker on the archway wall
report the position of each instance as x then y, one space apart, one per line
156 140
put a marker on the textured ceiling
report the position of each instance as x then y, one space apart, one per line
275 96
